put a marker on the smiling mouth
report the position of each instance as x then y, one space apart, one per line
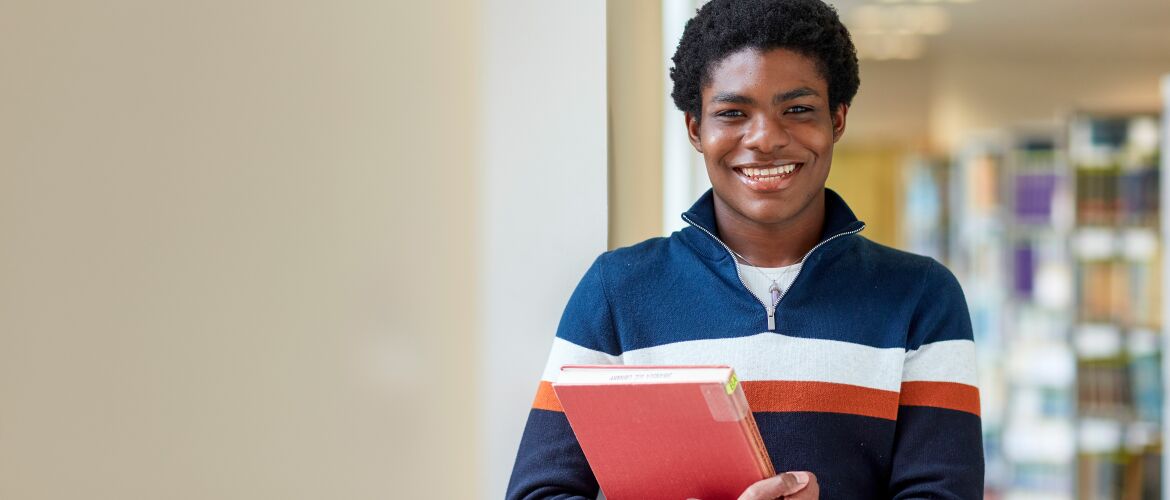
769 173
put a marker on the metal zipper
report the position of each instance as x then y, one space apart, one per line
770 309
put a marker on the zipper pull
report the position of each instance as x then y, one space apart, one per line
772 308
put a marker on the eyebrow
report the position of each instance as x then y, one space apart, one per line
733 98
794 94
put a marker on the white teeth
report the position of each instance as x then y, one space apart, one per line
779 169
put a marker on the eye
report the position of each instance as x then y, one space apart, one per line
730 113
799 109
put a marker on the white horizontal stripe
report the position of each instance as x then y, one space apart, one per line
568 353
946 361
772 356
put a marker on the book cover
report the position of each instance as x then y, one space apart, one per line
664 432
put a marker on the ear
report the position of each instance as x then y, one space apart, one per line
692 123
839 121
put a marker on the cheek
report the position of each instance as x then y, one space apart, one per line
717 141
817 140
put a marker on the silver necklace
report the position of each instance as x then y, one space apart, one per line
775 288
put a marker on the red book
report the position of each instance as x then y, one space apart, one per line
664 432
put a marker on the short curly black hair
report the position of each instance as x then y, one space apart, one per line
721 27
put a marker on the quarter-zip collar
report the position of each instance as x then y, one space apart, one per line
839 223
839 219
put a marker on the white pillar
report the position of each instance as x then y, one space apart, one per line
542 198
682 175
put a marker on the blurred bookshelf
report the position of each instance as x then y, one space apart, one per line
925 206
1038 430
976 236
1055 234
1117 326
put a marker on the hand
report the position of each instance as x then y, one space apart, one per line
799 485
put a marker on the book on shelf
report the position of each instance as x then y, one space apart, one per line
1144 292
1034 194
1124 476
1103 389
1120 292
1137 190
1117 196
1101 290
672 432
1145 374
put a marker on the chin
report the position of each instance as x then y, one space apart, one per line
785 208
768 211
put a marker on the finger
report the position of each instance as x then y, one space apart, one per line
811 491
788 483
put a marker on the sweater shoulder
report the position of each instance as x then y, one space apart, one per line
939 305
629 262
932 274
638 252
892 259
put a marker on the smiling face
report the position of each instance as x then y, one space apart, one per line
766 134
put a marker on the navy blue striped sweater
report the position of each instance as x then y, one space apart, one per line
867 378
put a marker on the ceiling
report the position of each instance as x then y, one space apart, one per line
1028 29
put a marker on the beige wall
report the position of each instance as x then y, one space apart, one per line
635 90
870 181
235 240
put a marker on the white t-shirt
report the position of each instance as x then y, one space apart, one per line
761 286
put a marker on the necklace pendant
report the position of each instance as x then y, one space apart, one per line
775 294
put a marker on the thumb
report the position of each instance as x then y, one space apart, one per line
784 484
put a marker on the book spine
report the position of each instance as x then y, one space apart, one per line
748 423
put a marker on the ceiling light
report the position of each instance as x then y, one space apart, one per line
897 2
885 47
899 19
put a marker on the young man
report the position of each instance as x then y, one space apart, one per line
857 359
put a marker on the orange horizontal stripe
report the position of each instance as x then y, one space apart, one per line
949 395
828 397
546 399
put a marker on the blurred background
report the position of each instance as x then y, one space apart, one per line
309 250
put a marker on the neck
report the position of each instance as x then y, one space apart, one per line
771 244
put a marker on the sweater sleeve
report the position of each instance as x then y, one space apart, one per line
938 444
550 463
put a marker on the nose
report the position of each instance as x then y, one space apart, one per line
766 134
